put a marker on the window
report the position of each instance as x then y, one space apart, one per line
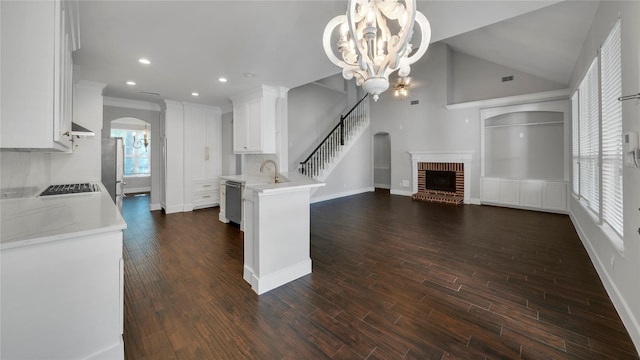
137 159
575 143
611 84
597 136
589 137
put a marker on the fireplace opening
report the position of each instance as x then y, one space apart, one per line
440 180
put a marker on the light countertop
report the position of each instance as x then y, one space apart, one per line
34 220
265 184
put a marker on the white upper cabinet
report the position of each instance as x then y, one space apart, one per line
38 38
254 121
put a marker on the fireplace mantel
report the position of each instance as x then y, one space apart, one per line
463 157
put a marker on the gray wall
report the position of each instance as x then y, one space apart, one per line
352 175
618 269
427 126
525 145
313 111
382 161
474 79
152 117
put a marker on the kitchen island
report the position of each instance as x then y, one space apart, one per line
276 229
62 277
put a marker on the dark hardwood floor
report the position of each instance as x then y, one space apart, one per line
392 279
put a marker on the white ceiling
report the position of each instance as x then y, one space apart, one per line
543 43
192 43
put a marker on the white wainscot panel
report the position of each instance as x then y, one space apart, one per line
531 193
491 190
555 196
510 192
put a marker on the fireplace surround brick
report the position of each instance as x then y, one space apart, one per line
447 197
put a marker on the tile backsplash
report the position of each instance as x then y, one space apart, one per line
252 164
24 170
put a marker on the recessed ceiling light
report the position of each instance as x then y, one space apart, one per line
131 83
195 94
222 79
249 75
144 61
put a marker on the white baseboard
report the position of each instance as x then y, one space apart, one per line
382 186
473 201
271 281
624 310
400 192
155 207
340 195
173 209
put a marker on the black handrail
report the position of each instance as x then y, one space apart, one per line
339 125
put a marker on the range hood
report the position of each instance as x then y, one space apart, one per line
81 131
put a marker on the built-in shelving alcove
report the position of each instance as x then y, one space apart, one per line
525 155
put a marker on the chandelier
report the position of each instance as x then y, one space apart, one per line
401 87
137 144
374 40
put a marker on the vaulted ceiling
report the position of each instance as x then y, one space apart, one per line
192 43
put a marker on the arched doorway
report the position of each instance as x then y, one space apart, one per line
382 160
136 162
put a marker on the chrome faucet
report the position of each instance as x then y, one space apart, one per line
276 178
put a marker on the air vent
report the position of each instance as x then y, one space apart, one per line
507 78
415 102
149 93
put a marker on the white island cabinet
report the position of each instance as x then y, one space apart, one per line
276 232
62 278
38 38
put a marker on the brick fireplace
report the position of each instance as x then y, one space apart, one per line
440 176
440 182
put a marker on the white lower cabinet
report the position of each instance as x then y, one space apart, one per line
555 196
547 195
222 216
205 193
531 193
510 192
63 299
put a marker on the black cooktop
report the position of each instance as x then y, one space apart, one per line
70 189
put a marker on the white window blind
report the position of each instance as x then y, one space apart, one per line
589 117
575 143
611 84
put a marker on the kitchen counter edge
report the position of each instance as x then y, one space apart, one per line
77 216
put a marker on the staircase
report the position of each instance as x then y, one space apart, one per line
337 144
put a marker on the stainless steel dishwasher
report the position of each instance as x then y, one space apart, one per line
233 199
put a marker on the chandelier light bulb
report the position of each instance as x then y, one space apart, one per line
368 49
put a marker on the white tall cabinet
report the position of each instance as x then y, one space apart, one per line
36 96
172 126
192 156
203 161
